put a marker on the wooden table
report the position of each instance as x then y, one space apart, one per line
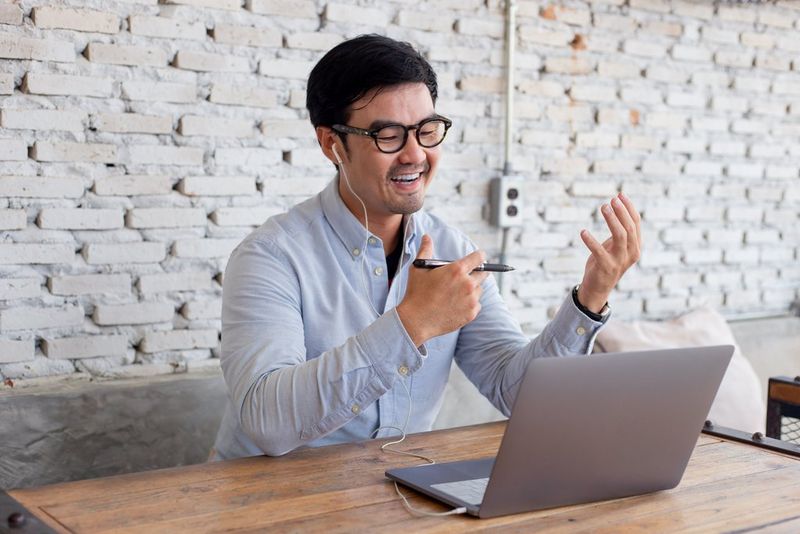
727 486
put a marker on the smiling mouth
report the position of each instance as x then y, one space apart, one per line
406 178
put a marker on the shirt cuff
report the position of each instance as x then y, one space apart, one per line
390 349
573 329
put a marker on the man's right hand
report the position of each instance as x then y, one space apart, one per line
441 300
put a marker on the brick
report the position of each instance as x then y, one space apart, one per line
640 48
710 124
16 47
67 151
673 212
285 68
13 220
12 350
208 62
287 128
247 36
191 125
749 126
40 187
764 150
665 306
614 166
775 17
736 14
564 264
165 155
7 83
285 8
772 109
663 73
667 120
659 6
139 313
740 256
246 216
639 95
35 318
202 309
85 346
89 284
597 140
134 252
660 258
179 340
25 253
542 36
727 148
725 237
136 56
244 96
618 24
460 54
571 113
80 218
564 167
217 185
131 123
703 168
313 40
686 189
677 236
737 58
686 100
593 93
642 189
761 237
62 84
462 108
83 20
757 40
149 91
719 35
641 142
744 214
229 5
42 119
183 281
594 188
208 248
691 53
614 69
786 87
679 282
166 28
247 157
781 172
697 10
769 193
751 83
11 14
545 138
702 256
566 214
313 157
19 288
132 185
468 26
369 16
773 62
542 88
13 150
728 191
723 279
483 84
568 65
165 217
729 103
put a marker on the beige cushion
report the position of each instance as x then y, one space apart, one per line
739 402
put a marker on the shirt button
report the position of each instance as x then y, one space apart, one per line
378 271
372 241
580 330
356 409
403 370
356 251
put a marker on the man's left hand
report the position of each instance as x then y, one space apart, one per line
609 261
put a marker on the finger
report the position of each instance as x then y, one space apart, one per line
618 233
471 261
594 247
425 248
621 211
637 219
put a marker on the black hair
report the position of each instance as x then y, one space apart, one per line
353 68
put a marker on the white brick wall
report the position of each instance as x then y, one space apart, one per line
129 174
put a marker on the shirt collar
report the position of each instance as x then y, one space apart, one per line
349 229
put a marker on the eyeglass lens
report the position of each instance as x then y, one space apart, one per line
393 138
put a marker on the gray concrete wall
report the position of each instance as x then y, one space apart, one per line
91 430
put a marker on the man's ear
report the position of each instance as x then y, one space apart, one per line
326 138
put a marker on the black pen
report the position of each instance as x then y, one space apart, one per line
432 264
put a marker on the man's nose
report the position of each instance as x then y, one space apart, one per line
412 152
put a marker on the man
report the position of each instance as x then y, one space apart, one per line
329 334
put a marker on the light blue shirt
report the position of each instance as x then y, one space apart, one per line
313 351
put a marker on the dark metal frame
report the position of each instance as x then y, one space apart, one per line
783 400
15 518
756 439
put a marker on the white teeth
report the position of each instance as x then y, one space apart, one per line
406 177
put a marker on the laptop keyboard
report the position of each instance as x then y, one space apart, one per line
469 491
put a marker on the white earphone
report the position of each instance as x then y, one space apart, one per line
336 154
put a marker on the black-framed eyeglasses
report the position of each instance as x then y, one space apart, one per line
393 137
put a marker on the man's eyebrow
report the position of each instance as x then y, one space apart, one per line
380 123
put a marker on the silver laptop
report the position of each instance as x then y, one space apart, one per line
586 428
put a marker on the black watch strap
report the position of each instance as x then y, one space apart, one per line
599 317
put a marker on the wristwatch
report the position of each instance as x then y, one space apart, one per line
599 317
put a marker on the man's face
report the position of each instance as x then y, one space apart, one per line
390 185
